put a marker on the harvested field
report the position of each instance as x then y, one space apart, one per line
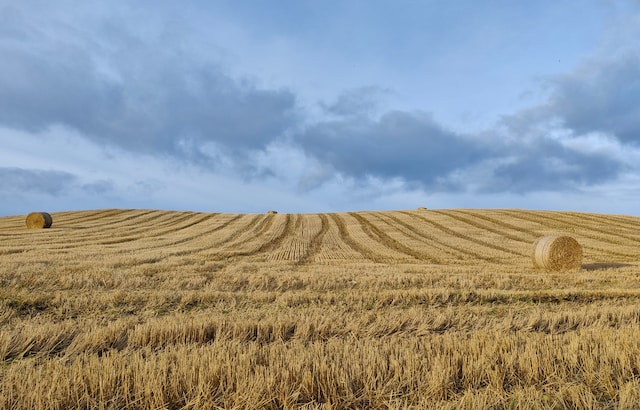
392 310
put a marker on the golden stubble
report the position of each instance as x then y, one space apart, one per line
396 309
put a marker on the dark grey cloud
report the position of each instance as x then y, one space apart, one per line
603 96
413 147
18 180
39 88
547 165
399 144
100 187
356 102
145 95
518 155
526 152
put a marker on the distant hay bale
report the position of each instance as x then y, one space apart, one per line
39 220
271 212
557 253
422 208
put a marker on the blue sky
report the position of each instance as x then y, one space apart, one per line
319 106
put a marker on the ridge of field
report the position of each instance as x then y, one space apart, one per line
409 237
123 308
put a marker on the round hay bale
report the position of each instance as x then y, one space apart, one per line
39 220
422 208
557 253
272 212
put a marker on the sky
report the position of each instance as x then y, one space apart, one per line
319 105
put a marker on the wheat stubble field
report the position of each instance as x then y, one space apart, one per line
114 309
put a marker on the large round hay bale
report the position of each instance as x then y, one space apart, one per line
557 253
272 212
39 220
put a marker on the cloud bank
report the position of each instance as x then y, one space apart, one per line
151 90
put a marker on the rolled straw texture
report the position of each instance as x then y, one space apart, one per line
557 253
39 220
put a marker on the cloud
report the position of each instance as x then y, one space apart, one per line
603 96
100 187
154 90
548 165
585 134
142 93
18 180
361 101
526 152
399 144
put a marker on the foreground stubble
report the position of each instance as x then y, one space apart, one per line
416 309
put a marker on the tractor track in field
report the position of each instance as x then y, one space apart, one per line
487 244
161 236
353 244
292 244
407 237
628 223
214 234
560 225
455 234
256 225
376 233
73 218
383 240
606 233
332 246
272 241
473 220
505 225
194 219
144 228
567 225
94 233
430 239
315 245
113 222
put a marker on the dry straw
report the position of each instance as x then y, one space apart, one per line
39 220
557 253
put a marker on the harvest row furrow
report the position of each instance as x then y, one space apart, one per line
482 225
199 232
333 246
395 239
357 246
315 245
102 215
619 224
277 230
605 229
500 222
455 234
235 235
489 241
561 226
410 237
429 238
302 241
